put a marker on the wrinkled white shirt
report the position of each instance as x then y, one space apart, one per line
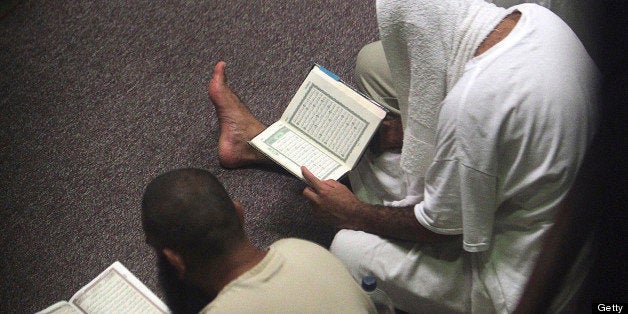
511 135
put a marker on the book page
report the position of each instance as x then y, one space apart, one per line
334 116
326 127
116 290
291 150
328 122
62 307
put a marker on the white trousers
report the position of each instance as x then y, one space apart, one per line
418 278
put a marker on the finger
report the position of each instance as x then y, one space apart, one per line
310 194
311 179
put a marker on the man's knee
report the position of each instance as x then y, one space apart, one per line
348 248
373 75
342 246
369 62
355 249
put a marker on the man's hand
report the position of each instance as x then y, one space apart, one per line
334 203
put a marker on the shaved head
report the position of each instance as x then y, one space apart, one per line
189 211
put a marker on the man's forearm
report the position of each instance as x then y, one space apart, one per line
392 222
336 205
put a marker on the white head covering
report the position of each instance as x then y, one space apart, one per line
427 44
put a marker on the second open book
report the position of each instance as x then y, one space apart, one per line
326 127
115 290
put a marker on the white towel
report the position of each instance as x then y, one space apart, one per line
427 44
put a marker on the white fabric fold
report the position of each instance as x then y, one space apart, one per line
427 44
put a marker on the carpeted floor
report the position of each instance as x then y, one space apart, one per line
98 97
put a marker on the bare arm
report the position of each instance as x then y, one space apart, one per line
394 222
336 205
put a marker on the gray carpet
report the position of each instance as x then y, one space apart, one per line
98 97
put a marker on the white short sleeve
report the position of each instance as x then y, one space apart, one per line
469 200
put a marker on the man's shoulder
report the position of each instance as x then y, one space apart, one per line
303 277
296 251
297 244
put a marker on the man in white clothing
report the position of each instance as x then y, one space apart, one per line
497 107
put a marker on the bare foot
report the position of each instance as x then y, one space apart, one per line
237 124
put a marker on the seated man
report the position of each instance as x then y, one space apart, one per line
189 218
497 107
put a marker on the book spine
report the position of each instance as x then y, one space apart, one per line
330 73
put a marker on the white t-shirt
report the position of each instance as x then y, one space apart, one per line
296 276
512 132
511 135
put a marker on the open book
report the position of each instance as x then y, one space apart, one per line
326 127
115 290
